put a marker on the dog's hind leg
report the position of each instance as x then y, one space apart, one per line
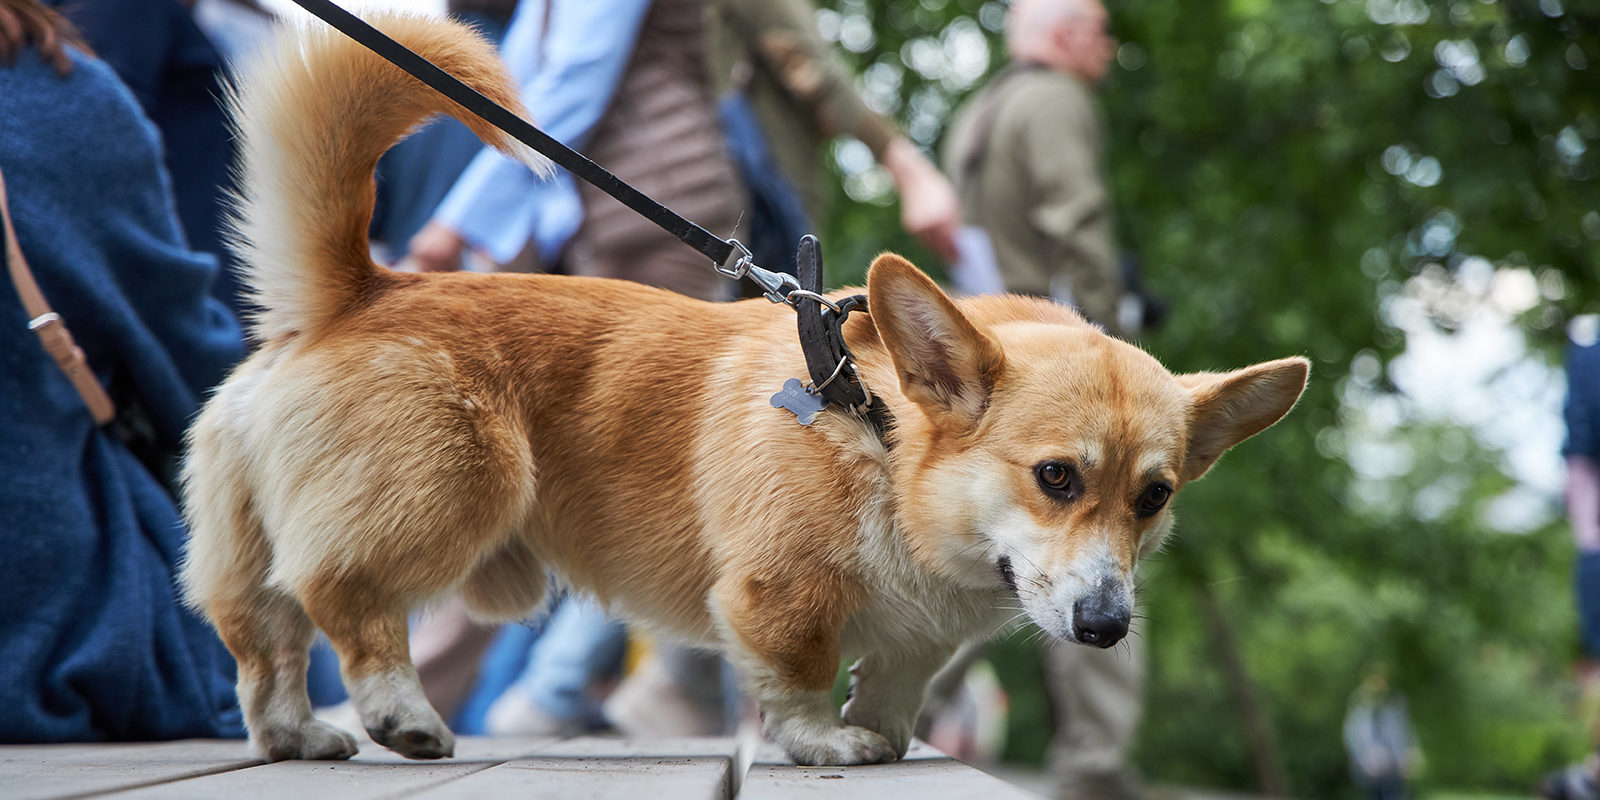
269 635
386 485
367 626
224 575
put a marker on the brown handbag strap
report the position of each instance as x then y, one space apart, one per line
52 331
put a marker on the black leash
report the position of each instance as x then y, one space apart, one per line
832 367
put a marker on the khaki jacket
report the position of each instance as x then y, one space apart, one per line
1027 156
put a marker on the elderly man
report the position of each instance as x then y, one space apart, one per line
1027 152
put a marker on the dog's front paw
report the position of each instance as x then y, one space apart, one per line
841 746
897 729
313 741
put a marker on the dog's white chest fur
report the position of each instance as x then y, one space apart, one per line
908 605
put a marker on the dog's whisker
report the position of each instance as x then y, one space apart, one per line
1024 557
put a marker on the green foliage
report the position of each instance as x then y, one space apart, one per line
1284 169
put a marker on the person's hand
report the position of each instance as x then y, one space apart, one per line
437 248
929 208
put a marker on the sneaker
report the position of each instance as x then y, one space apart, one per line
513 714
649 704
343 715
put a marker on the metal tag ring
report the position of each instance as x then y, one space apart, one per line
837 370
807 294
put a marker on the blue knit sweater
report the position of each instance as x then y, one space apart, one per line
94 642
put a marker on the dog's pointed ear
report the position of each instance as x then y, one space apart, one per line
945 364
1234 406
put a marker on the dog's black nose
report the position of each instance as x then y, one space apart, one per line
1098 620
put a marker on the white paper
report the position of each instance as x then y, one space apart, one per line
975 270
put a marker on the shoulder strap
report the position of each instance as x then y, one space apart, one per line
52 331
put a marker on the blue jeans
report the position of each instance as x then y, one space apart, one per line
1588 589
579 645
555 664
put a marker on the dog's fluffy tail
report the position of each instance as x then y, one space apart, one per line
313 112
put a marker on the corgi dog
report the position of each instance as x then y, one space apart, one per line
401 438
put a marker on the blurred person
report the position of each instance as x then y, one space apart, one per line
967 709
539 678
1377 736
558 674
1028 156
1097 697
677 690
1582 451
788 92
773 58
158 49
1027 152
415 175
785 95
235 27
789 95
624 82
1580 781
95 644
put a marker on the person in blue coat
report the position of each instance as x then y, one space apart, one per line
177 76
1581 781
95 643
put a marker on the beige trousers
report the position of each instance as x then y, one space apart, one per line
1098 699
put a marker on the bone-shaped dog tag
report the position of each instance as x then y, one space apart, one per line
804 404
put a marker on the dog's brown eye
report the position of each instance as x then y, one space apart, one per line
1059 479
1155 497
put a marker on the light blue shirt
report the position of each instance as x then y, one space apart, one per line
568 74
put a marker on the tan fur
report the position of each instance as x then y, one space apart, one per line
400 438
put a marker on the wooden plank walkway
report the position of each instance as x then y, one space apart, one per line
590 767
925 773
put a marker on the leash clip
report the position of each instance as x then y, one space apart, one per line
772 284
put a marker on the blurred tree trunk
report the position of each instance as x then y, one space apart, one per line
1271 777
